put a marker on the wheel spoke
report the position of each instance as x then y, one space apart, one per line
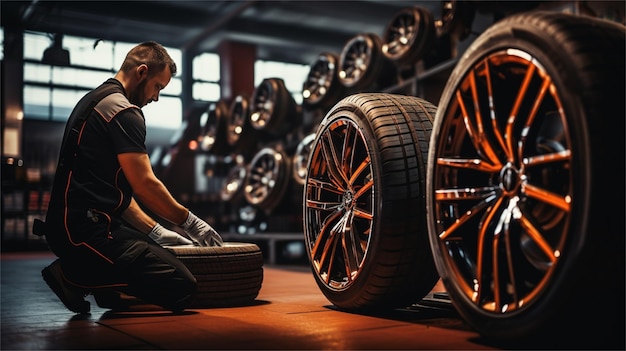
480 254
513 115
559 201
481 145
492 109
464 194
475 164
538 238
350 245
449 232
333 163
324 185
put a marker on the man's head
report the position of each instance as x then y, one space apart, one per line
146 70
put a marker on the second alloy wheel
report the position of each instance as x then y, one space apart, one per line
521 161
364 202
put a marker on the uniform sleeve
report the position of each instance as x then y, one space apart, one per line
125 123
128 131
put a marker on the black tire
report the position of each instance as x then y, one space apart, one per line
364 200
272 109
213 136
322 88
228 275
409 36
362 65
527 145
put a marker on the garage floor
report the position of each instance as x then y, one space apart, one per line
290 313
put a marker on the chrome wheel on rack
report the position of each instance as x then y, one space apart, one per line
301 158
322 87
409 35
267 178
273 110
362 65
518 163
240 134
213 136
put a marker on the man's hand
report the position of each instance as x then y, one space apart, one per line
201 232
166 237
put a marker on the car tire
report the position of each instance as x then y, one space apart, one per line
527 145
228 275
364 202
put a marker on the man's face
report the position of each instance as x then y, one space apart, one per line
149 88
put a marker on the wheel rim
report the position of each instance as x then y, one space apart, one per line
502 182
237 121
339 204
355 60
233 183
210 122
301 158
407 35
320 79
265 180
263 105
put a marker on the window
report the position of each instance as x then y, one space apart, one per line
206 77
50 92
292 74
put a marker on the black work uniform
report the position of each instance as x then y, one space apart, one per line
90 193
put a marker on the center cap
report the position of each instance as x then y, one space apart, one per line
348 196
509 177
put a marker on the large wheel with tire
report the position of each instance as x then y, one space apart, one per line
527 146
228 275
364 202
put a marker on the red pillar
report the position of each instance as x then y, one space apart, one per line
236 69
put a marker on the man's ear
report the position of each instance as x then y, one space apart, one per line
142 71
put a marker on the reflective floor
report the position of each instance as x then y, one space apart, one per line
290 313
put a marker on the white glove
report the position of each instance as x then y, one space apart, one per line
166 237
201 232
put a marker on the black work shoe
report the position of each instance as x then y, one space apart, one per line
115 300
72 297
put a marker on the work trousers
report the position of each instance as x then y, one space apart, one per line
129 262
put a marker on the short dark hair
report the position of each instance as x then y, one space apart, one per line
150 53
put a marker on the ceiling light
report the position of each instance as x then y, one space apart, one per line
56 55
